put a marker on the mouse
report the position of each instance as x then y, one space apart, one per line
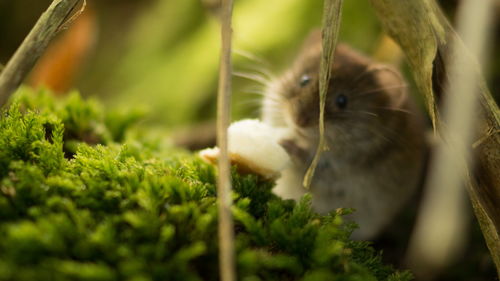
374 132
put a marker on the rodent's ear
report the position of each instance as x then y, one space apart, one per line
310 51
393 83
313 39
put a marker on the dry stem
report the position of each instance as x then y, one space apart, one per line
226 229
23 60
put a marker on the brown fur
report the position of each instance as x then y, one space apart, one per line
376 143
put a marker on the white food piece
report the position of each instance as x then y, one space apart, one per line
257 143
254 147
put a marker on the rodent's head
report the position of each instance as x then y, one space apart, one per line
363 104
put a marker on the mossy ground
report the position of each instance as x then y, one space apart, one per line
79 200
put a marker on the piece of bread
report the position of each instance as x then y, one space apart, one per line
254 148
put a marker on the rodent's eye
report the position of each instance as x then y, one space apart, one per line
341 101
304 80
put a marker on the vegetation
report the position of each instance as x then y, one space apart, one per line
146 49
77 205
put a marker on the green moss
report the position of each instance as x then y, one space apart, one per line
111 211
84 121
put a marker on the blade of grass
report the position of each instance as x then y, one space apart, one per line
332 15
23 60
226 229
441 223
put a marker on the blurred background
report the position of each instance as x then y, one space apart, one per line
162 55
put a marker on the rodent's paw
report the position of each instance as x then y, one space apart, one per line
294 150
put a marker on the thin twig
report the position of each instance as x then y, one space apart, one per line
226 229
441 223
33 46
332 14
69 21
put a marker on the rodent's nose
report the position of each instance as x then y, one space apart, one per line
304 120
301 121
304 114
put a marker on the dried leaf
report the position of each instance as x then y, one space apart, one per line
425 35
332 14
416 28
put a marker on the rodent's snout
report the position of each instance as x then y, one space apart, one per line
304 114
304 120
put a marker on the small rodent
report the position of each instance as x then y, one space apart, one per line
373 129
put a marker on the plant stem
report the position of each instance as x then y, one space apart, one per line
226 229
23 60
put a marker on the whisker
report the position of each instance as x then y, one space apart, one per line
252 76
250 56
274 114
254 92
371 68
396 137
394 109
356 113
361 111
402 86
265 72
362 74
264 95
381 135
271 103
257 111
274 100
254 105
375 131
256 87
383 132
258 91
248 104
